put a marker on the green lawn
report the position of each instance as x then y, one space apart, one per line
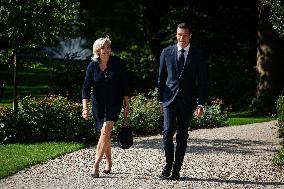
32 80
15 157
246 120
246 117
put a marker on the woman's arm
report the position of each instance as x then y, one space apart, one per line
85 110
126 106
86 91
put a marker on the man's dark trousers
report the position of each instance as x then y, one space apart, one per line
177 119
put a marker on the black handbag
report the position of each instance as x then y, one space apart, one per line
125 137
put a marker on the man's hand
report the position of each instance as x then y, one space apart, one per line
161 107
199 112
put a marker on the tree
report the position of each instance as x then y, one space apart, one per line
225 30
269 66
26 25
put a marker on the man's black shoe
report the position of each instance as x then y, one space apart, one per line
166 172
164 177
175 176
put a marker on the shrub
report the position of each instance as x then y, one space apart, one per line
7 125
50 118
68 78
279 158
144 117
213 117
280 115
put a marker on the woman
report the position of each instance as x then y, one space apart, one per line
106 77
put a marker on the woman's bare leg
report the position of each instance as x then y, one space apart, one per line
108 154
103 143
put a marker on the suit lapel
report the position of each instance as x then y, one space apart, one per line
187 59
187 62
174 54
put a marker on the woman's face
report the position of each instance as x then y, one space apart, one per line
105 51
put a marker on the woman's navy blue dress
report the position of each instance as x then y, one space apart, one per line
108 89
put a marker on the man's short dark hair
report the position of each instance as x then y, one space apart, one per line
184 25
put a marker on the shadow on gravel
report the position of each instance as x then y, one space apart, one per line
205 146
149 144
241 182
232 146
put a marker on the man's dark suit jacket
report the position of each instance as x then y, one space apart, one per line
191 84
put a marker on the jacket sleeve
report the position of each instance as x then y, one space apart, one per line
162 76
88 82
202 79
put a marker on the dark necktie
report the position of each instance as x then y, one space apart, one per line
181 60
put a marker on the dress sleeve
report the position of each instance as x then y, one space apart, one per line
88 82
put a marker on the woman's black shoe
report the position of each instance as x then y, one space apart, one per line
106 171
95 175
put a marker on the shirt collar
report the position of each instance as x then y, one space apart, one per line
186 48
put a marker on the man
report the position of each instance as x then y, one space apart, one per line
182 87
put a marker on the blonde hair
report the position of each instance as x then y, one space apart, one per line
98 45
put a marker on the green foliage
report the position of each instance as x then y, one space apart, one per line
15 157
140 67
145 117
279 158
33 79
8 128
276 14
280 115
50 118
25 25
5 57
138 58
213 117
148 26
263 103
68 78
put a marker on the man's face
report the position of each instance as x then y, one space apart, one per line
183 37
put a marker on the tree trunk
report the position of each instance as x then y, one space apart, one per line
269 66
15 92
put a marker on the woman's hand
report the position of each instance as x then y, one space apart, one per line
126 111
85 113
126 107
85 110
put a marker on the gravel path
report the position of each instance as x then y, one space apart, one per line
229 157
